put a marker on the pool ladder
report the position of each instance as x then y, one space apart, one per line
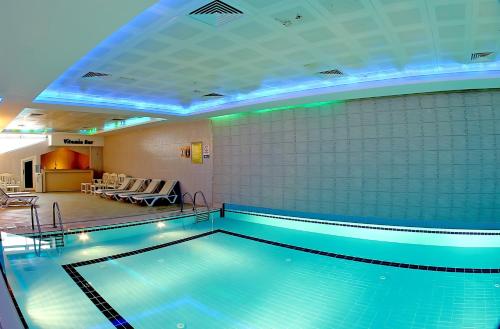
37 245
56 212
58 237
204 214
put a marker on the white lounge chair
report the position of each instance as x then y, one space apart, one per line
98 183
152 188
113 181
121 188
136 187
9 183
16 199
167 192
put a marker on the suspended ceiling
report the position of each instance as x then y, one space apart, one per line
38 121
164 61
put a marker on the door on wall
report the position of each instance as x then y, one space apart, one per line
28 174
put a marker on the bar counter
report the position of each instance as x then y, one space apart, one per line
61 180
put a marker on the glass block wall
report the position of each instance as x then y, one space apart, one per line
429 157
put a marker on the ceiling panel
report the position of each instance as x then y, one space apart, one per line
43 121
164 61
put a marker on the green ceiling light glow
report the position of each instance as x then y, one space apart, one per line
278 108
304 106
227 117
320 104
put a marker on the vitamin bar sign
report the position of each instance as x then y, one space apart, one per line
78 141
75 140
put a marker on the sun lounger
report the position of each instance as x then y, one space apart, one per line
168 192
126 182
137 186
152 188
16 199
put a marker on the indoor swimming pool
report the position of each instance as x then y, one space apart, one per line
250 270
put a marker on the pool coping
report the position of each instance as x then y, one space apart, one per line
449 231
433 224
120 322
96 228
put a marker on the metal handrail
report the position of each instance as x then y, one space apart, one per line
182 200
57 210
34 215
205 204
199 217
204 200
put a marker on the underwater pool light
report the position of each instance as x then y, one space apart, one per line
160 224
83 236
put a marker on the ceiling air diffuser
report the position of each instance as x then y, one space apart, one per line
216 13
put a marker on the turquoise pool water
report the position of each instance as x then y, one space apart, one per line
246 274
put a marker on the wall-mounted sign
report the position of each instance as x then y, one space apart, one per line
206 151
186 151
197 153
75 140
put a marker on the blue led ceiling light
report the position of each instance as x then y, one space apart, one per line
260 95
94 91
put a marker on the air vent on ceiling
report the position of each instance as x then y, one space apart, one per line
36 114
213 95
481 56
216 13
334 72
94 75
287 22
117 119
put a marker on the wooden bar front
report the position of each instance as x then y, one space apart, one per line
59 180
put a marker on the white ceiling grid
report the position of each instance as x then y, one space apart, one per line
175 57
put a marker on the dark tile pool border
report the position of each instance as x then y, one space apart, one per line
107 310
371 226
120 322
14 301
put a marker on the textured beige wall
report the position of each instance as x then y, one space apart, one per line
154 152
